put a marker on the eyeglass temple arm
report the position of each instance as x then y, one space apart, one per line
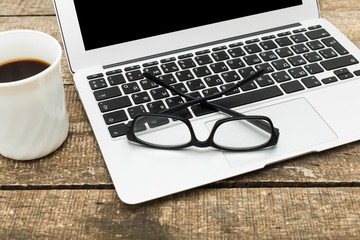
204 100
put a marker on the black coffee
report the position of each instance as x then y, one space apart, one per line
18 69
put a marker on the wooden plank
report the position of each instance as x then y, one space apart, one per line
249 213
339 5
29 7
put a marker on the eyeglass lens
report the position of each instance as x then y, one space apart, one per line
161 131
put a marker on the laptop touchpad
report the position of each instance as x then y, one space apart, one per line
301 129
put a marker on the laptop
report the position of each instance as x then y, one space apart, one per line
309 89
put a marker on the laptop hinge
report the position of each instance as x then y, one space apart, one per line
200 46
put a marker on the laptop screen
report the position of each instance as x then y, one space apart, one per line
112 22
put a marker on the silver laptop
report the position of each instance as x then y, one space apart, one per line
310 88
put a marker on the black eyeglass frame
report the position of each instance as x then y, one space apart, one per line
209 142
167 113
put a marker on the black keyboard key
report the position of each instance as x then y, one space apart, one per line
328 53
133 111
339 62
357 72
298 38
203 59
235 63
332 42
329 80
186 63
168 78
297 72
311 82
147 84
166 60
268 56
248 86
218 67
280 64
220 56
319 33
213 80
180 87
113 104
154 70
210 91
281 76
184 75
115 117
230 76
116 79
174 101
315 45
131 68
300 48
268 45
107 93
156 106
252 48
314 68
244 72
98 83
196 84
314 27
284 52
201 52
227 86
283 41
169 67
345 76
159 93
264 80
265 66
202 71
252 59
148 64
296 60
117 130
130 87
236 52
96 75
140 97
312 57
252 41
112 72
134 75
292 86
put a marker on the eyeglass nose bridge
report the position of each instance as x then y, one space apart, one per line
201 144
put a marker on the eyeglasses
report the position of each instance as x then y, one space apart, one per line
171 129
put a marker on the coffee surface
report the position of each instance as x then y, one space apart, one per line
18 69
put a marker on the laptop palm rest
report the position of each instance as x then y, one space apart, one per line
300 127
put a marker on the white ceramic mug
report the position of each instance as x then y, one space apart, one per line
33 116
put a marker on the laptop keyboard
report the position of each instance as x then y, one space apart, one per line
291 61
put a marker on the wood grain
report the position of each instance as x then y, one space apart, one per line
258 213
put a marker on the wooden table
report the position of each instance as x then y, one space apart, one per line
69 194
